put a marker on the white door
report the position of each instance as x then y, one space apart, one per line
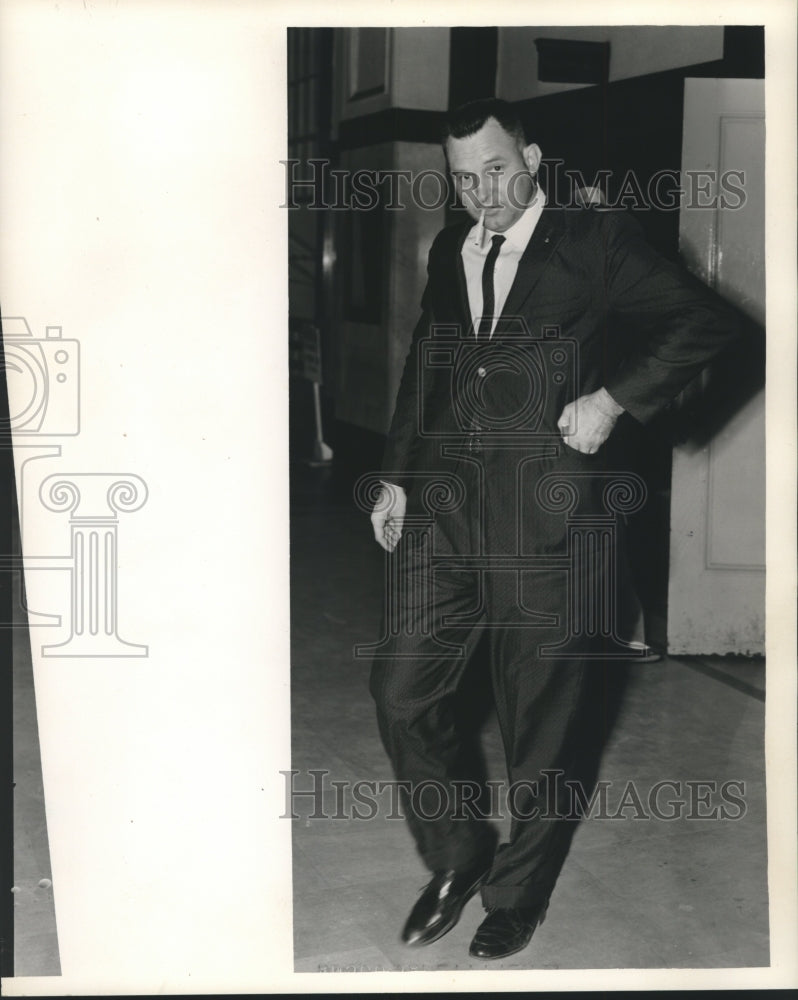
716 602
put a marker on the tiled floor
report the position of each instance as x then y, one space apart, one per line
634 893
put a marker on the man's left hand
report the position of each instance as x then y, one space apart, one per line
586 423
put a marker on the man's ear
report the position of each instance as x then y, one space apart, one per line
532 157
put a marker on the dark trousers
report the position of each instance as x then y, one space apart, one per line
537 698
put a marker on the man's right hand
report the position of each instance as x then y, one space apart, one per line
388 515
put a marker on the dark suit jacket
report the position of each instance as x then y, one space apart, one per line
496 406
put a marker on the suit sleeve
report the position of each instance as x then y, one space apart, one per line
403 436
682 324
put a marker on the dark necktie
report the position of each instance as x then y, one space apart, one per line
488 299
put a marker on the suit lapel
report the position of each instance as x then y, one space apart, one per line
462 284
548 233
449 278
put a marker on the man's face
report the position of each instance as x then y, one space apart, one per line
492 170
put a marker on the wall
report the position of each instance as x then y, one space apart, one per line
634 50
379 68
371 353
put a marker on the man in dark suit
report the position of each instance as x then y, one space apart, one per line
503 429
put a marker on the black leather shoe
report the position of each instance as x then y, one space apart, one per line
504 931
439 907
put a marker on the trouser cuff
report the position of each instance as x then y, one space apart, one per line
514 897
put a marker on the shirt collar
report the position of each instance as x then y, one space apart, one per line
520 233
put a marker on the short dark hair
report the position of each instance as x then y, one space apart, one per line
469 118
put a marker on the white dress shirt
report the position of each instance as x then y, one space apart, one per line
475 251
